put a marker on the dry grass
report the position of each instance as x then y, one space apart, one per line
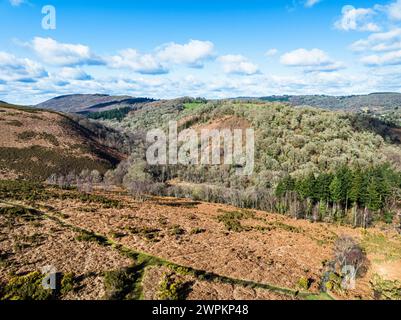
272 249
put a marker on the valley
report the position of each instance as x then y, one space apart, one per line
77 194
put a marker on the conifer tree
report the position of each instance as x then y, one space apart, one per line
335 192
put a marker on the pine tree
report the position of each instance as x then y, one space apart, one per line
335 192
323 187
355 190
374 199
345 176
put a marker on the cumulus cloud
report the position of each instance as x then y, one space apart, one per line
63 54
393 10
379 42
302 58
310 60
384 48
356 19
192 54
390 58
141 63
311 3
18 69
238 64
220 86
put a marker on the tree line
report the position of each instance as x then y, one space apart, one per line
351 195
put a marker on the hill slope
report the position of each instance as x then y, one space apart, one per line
385 106
309 153
36 143
87 103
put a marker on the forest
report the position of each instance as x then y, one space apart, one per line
309 163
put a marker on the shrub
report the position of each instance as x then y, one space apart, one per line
67 283
123 284
197 230
117 235
177 231
305 283
26 287
91 237
386 289
21 212
26 135
231 220
172 288
15 123
150 234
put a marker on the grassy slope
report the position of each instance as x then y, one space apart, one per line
142 260
37 143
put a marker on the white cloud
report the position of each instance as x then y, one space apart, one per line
238 64
385 46
192 53
63 54
379 42
16 3
141 63
18 69
334 66
390 58
356 19
314 60
73 74
311 3
219 86
394 10
305 58
271 52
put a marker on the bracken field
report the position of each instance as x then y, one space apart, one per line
108 246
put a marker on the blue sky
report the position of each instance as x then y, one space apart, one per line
215 49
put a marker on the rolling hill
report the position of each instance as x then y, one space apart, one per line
87 103
36 143
385 106
385 100
299 151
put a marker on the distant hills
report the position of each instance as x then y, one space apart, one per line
88 103
374 101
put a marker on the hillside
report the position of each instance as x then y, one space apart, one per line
36 143
107 245
385 106
352 103
321 140
152 238
313 149
88 103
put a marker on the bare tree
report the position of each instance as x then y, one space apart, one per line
347 252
